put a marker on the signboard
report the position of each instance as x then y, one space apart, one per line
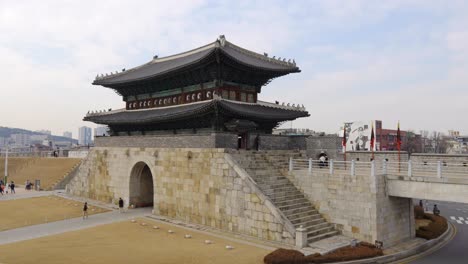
358 135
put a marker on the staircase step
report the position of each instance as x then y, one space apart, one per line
292 206
288 201
321 236
293 215
306 221
313 231
287 197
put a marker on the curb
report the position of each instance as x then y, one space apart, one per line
445 237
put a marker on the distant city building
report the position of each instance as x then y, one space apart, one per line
2 141
295 131
84 136
45 132
68 134
38 139
101 131
454 133
21 139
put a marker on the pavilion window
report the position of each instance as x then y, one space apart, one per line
199 96
174 100
187 98
250 98
243 97
208 94
232 95
156 102
193 97
225 94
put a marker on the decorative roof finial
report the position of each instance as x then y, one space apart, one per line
123 69
265 54
155 57
294 62
274 57
284 60
222 40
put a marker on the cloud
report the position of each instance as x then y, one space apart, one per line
360 59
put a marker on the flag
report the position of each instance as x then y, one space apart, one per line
372 138
343 143
398 137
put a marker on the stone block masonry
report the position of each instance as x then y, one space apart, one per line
197 185
359 206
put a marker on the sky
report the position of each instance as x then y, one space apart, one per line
393 60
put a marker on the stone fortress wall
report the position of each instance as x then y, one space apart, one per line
358 205
202 186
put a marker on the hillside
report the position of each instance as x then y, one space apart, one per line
7 132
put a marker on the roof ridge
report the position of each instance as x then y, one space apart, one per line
162 59
260 56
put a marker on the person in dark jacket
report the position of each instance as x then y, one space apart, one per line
121 205
85 210
12 187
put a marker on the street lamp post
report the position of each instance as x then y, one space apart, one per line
6 166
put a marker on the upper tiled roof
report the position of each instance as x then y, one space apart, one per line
161 66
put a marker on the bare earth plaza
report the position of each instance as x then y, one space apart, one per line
192 169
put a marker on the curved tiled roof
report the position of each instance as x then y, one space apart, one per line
254 111
161 66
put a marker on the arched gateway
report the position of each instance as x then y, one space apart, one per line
141 186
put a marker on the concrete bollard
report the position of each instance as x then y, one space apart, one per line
310 165
331 167
290 164
384 167
410 168
353 168
439 169
301 237
373 168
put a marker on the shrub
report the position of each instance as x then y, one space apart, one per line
435 229
284 256
418 212
361 251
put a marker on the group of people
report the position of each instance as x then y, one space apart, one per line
435 209
4 187
28 185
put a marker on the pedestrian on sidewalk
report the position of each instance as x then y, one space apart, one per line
1 187
435 210
121 205
85 210
12 187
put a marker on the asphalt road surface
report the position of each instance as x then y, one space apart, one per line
456 251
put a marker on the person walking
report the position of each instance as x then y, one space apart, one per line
12 187
121 205
85 210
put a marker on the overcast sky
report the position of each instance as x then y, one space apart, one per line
360 60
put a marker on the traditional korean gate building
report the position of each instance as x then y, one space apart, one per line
209 90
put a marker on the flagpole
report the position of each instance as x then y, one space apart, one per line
372 139
343 143
399 146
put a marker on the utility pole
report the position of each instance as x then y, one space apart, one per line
6 166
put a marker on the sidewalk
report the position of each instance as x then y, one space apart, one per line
21 193
36 231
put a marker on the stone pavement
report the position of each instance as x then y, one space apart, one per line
53 228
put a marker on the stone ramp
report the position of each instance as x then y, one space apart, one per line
50 171
264 169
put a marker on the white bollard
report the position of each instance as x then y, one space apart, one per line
290 164
373 168
331 167
301 237
310 165
410 168
439 169
353 168
384 167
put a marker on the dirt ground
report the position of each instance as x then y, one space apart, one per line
127 242
39 210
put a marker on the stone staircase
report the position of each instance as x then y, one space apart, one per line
265 171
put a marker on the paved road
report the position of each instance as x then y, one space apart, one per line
456 251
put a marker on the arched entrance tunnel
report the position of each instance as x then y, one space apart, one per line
141 186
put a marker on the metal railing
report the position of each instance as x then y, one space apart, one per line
408 169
